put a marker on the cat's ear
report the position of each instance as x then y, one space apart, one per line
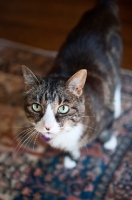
29 77
77 81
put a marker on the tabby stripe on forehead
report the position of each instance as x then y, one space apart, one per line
66 101
59 99
54 96
74 108
46 96
73 120
50 96
39 97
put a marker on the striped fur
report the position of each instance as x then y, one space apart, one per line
95 45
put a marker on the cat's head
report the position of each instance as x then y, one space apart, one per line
54 105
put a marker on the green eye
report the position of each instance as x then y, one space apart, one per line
36 107
63 109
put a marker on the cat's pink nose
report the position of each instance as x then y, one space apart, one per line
47 128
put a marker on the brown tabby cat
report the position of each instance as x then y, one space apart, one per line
67 109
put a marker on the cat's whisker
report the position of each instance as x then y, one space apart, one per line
29 139
19 135
21 141
26 142
38 134
84 144
19 146
90 127
88 116
29 126
33 135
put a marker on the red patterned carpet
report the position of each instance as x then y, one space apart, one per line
35 171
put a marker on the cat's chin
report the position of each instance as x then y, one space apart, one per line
45 138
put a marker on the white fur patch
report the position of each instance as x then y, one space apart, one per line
49 121
117 101
49 118
68 163
111 144
68 139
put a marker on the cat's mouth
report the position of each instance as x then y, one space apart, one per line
47 139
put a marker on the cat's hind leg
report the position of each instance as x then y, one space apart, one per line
111 144
117 101
109 141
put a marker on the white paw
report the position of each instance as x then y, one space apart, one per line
111 144
68 163
76 154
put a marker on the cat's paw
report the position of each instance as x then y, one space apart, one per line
111 144
75 154
69 163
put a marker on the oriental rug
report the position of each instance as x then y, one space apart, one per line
35 171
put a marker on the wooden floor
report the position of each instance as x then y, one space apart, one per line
45 23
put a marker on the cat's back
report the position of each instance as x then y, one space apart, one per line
96 35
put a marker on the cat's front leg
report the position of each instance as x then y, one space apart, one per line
70 160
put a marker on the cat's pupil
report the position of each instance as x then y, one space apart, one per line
36 107
63 109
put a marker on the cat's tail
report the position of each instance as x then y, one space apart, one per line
110 3
106 2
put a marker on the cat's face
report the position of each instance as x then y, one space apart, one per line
54 105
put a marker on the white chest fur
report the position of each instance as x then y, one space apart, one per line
68 139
